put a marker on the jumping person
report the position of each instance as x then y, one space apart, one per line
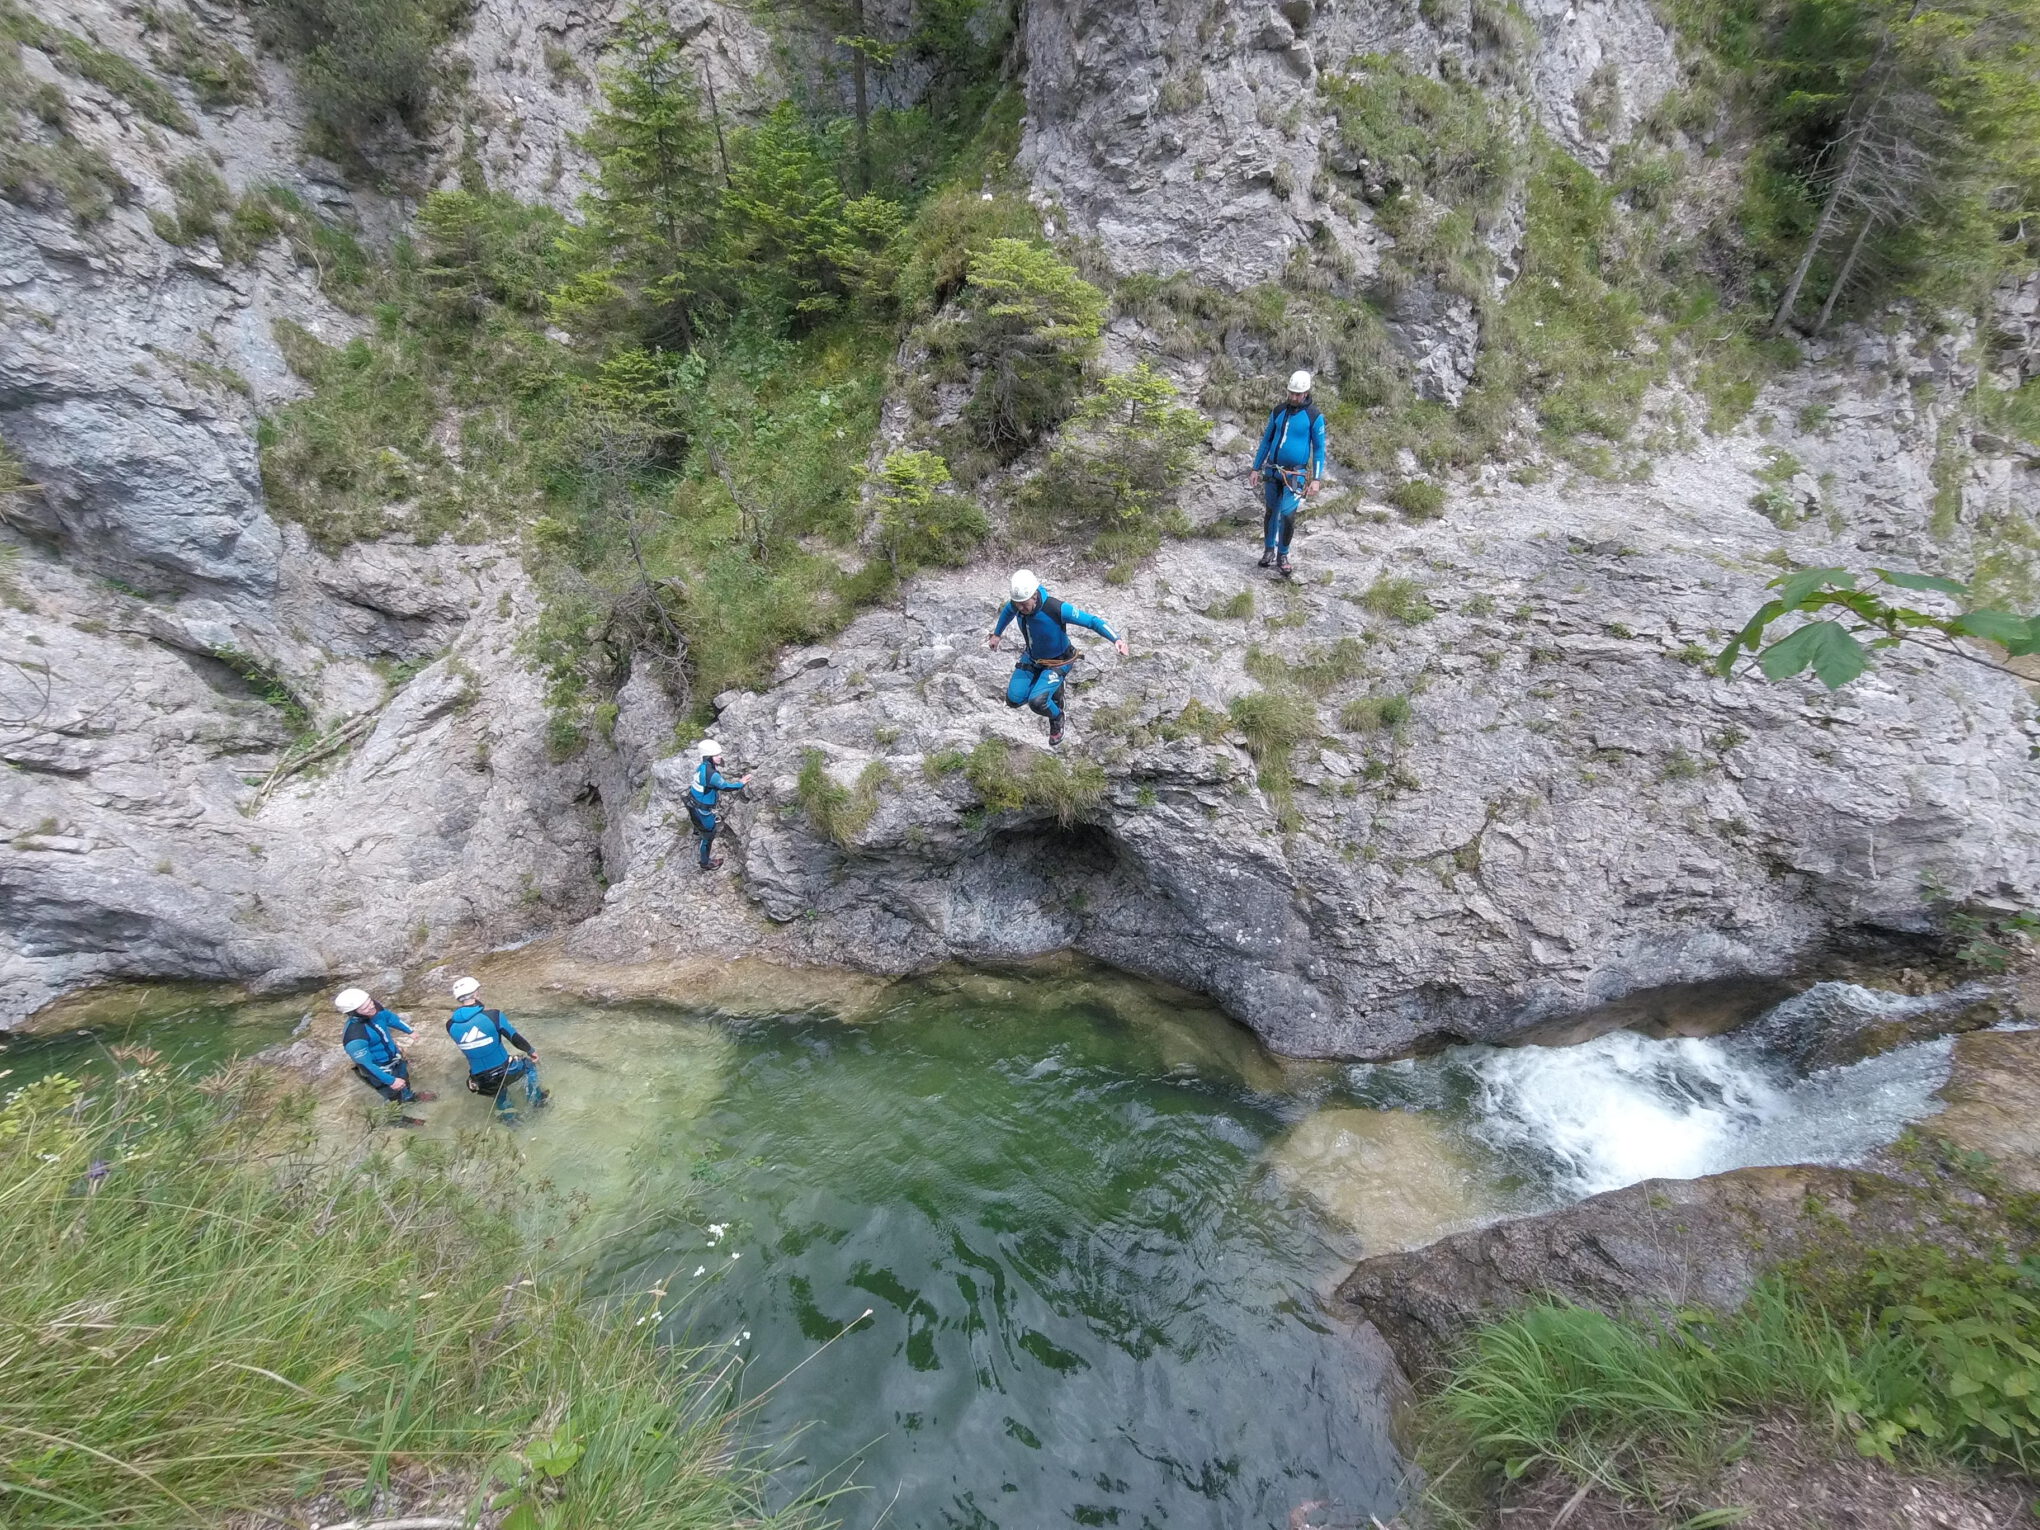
1289 464
702 794
480 1034
1039 677
378 1061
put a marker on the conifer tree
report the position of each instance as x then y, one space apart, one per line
650 216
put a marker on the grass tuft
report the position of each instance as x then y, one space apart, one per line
839 811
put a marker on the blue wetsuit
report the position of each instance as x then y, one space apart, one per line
373 1050
708 785
480 1034
1291 454
1039 676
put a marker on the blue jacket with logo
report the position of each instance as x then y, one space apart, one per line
1047 631
709 784
1295 438
480 1034
368 1042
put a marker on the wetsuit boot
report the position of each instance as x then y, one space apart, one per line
1055 731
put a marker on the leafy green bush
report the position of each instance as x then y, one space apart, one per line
1116 474
1030 324
194 1287
919 524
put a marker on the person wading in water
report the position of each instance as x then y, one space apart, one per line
371 1045
480 1033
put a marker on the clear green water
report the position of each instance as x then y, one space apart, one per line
1092 1300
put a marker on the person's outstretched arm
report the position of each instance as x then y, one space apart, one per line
1075 618
1006 614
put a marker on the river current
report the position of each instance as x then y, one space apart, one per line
1052 1247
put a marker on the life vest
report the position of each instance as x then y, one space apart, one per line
382 1046
1046 628
478 1033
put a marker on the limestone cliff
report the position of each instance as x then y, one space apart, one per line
1573 811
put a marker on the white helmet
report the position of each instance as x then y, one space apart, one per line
1023 584
710 749
1299 381
463 987
348 1000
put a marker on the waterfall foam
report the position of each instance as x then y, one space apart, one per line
1568 1122
1624 1108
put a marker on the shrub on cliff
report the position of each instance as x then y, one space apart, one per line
1115 477
1030 323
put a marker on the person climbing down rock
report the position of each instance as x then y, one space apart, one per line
1040 676
480 1034
704 792
378 1061
1289 465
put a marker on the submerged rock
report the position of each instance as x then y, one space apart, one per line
1396 1179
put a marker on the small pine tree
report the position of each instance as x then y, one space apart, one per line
1117 474
918 523
649 232
1031 324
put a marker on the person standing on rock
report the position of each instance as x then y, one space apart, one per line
1289 465
1043 671
378 1060
704 792
480 1033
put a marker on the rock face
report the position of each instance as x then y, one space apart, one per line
1574 812
1186 139
1656 1246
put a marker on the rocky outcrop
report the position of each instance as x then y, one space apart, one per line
1667 1244
1653 1247
1188 140
1576 812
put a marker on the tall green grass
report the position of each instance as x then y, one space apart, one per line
203 1310
1912 1354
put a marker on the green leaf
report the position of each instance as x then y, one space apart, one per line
1828 647
524 1517
1994 626
1962 1384
1921 582
1793 588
